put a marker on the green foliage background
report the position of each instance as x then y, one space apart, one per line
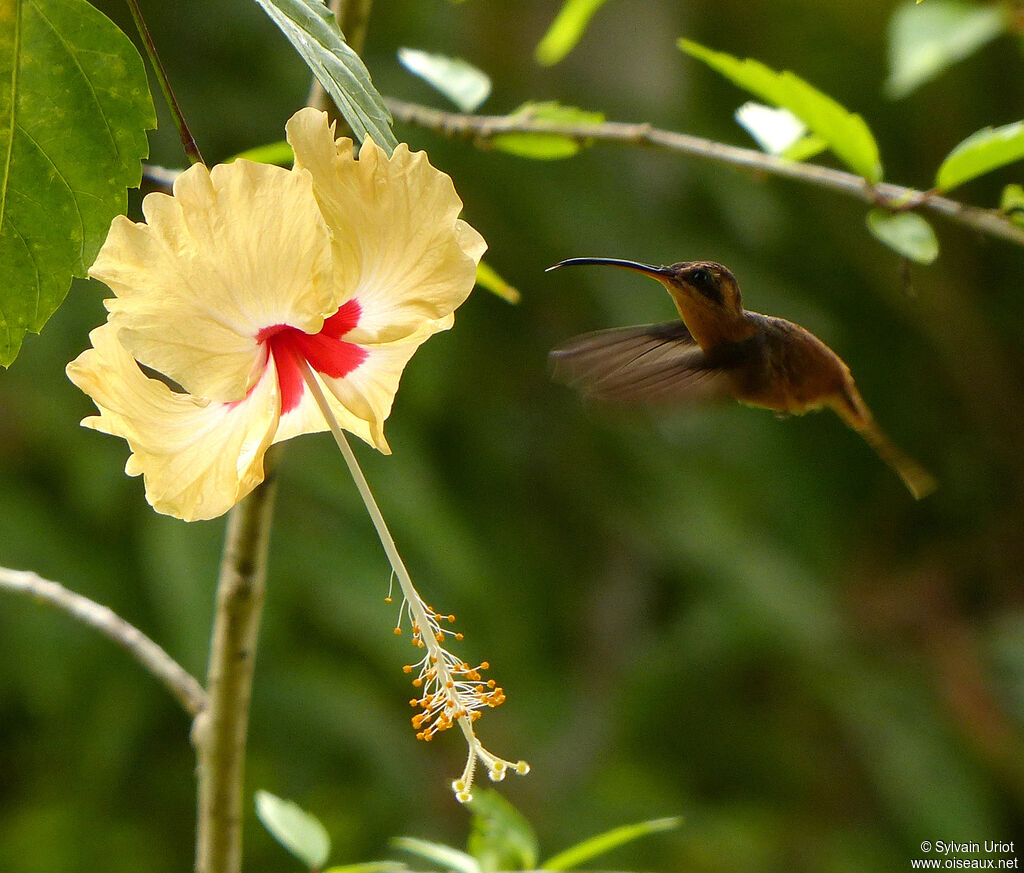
710 613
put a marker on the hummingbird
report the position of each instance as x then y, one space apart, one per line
720 349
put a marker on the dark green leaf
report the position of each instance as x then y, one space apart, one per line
846 133
501 838
539 145
986 150
906 233
924 42
605 842
74 111
369 867
565 31
294 828
312 29
462 83
1012 204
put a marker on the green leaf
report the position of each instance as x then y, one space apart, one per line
1011 204
988 149
74 111
369 867
487 277
778 131
501 838
313 31
462 83
295 829
846 134
545 146
439 853
278 153
536 146
565 31
906 233
924 42
605 842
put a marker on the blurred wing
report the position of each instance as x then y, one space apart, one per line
651 363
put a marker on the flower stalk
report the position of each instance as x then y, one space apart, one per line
452 692
219 731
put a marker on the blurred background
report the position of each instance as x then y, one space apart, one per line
709 613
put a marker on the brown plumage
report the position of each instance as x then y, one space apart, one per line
720 349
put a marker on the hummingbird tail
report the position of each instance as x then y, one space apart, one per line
856 414
918 480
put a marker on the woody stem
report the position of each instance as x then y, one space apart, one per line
219 731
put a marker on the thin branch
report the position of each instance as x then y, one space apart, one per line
175 678
482 129
219 732
188 142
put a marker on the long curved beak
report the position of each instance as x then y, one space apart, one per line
636 266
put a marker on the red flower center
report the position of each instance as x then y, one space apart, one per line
326 352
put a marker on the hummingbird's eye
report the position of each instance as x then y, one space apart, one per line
704 281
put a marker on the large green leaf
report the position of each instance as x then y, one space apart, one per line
565 31
501 838
299 832
74 110
312 29
846 133
924 42
986 150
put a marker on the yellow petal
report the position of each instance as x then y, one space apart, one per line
399 246
198 459
233 251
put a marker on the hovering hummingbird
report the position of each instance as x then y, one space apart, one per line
720 349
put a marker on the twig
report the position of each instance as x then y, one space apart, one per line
481 129
219 732
175 678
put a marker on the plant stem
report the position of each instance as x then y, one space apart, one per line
187 140
219 732
175 678
481 129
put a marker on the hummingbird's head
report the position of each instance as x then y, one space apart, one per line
705 293
702 285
